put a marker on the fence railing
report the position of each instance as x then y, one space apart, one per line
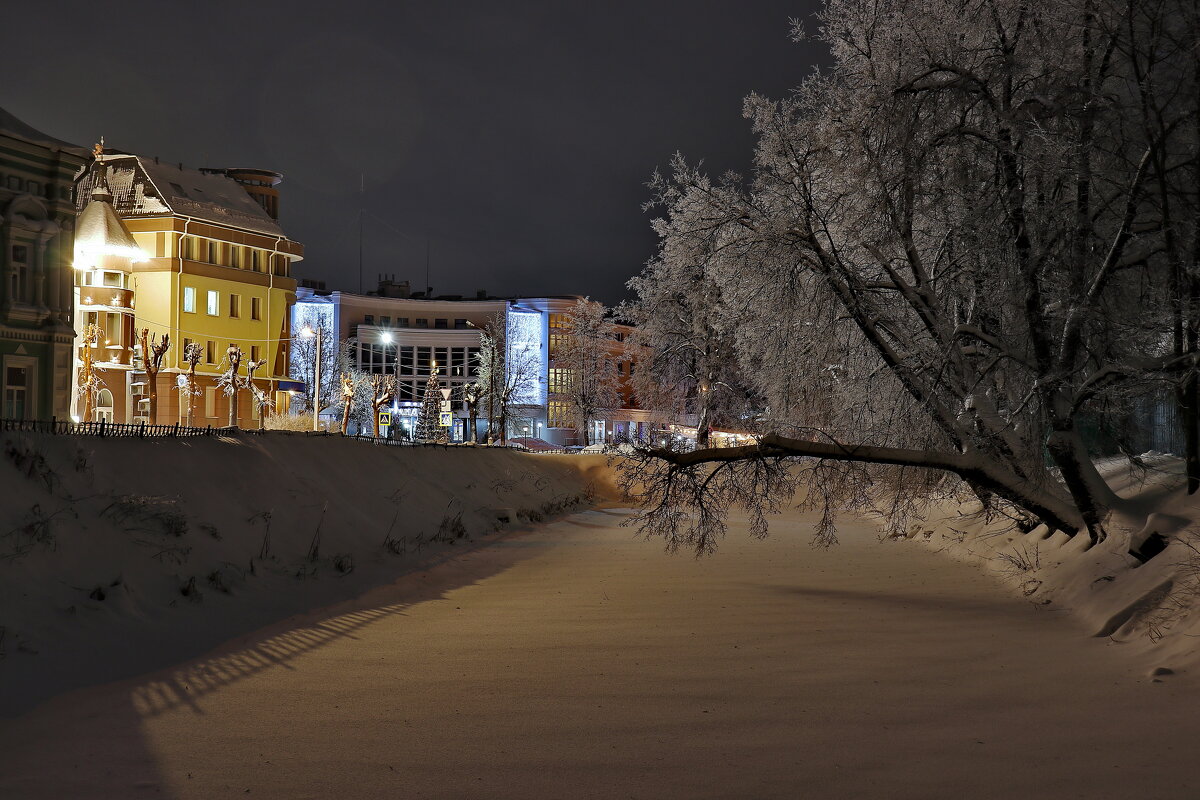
66 427
103 428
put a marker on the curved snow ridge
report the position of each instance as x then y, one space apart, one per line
125 555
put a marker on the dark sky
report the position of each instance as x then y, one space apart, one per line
515 137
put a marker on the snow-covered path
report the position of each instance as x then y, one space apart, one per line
577 661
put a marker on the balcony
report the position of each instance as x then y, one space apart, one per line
105 297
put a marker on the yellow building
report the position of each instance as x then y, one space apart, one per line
217 273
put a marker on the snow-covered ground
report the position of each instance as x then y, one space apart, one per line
577 661
1150 606
122 555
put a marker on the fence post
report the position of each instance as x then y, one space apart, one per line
142 430
175 430
102 427
54 424
209 433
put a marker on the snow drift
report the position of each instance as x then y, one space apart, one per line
118 556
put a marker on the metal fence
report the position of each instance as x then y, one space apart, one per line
66 427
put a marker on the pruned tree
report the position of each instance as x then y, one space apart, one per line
383 390
258 397
90 383
589 354
471 394
185 383
952 256
230 382
153 352
348 393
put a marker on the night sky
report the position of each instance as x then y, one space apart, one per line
516 138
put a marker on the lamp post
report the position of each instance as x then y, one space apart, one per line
309 333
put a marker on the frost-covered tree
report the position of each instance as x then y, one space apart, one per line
507 374
258 397
471 394
953 254
193 354
153 352
302 363
692 365
230 382
588 354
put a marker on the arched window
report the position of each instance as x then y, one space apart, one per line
104 406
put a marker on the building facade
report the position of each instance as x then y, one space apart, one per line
216 272
37 219
408 336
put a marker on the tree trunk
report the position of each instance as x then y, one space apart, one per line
152 389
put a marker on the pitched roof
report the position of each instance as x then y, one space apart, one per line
100 236
11 126
143 187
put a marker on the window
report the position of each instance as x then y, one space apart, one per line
558 414
210 353
385 322
368 319
441 323
18 385
112 330
235 305
214 303
189 299
256 260
460 324
422 323
560 381
255 308
187 248
406 361
235 256
212 252
254 352
19 287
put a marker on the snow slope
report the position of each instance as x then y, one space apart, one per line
1149 605
123 555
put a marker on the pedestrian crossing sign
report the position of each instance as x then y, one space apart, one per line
385 418
446 419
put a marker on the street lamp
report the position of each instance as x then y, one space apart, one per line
309 333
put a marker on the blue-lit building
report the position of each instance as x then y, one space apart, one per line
393 333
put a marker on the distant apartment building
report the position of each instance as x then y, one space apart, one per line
37 219
391 332
215 271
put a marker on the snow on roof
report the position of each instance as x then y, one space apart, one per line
99 234
143 186
11 126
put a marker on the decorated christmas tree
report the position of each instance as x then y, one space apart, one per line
428 429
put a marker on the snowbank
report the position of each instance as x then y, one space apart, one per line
119 556
1140 587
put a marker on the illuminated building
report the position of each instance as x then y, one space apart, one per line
393 333
37 218
217 272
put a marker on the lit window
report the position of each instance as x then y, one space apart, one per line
214 303
189 299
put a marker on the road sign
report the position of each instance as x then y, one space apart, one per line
444 407
445 393
446 419
385 418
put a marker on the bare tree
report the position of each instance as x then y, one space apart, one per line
383 389
230 382
258 397
589 354
508 375
153 352
193 354
947 262
90 383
